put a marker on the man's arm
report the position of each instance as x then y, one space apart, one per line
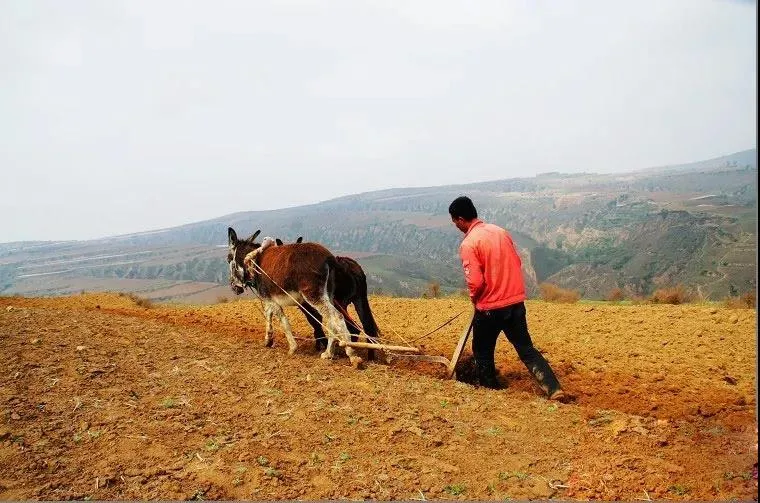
514 247
473 272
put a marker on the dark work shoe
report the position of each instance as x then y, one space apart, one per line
561 397
558 395
487 376
544 376
490 383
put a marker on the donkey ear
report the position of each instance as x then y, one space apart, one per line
300 239
231 236
253 236
278 241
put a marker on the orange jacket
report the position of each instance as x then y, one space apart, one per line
492 267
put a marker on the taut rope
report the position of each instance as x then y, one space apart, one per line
343 312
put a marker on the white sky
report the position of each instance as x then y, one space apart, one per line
126 116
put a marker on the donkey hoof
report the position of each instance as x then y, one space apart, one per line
326 356
292 350
383 357
356 362
269 342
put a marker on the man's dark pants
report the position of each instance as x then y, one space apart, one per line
486 328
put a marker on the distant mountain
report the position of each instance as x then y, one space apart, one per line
693 224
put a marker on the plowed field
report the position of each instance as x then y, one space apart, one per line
103 399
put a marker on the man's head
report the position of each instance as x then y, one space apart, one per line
462 212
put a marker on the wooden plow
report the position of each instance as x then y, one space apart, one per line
414 353
407 352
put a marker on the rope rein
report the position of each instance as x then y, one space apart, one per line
343 312
437 329
262 271
263 314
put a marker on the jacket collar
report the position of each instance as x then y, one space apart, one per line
474 224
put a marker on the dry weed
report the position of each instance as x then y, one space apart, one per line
746 301
140 301
616 295
671 295
553 293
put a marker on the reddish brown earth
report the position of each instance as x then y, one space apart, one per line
103 399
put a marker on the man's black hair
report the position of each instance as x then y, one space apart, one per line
462 207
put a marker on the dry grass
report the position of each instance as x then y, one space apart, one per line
433 291
671 295
637 300
746 301
616 295
461 293
140 301
553 293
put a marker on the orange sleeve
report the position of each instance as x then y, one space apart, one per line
514 247
473 271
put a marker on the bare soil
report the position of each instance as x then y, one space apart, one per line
101 398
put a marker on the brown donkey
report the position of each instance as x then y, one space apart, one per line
350 288
287 275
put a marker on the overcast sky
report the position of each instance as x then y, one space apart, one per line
119 117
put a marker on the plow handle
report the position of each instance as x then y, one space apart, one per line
459 348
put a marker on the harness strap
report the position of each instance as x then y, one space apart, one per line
253 285
350 320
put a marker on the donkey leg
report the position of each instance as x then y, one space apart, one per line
269 337
329 352
286 328
362 316
316 324
338 326
317 306
352 328
353 357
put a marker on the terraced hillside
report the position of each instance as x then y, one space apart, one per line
692 224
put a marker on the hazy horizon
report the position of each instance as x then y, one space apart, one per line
131 116
212 217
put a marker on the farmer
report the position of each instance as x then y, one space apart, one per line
492 270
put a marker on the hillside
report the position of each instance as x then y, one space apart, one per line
693 224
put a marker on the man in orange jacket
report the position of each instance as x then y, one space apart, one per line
493 272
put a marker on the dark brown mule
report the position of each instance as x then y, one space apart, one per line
302 273
350 288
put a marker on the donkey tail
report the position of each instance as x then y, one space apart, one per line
331 266
361 303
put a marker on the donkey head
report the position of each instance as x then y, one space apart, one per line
237 250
